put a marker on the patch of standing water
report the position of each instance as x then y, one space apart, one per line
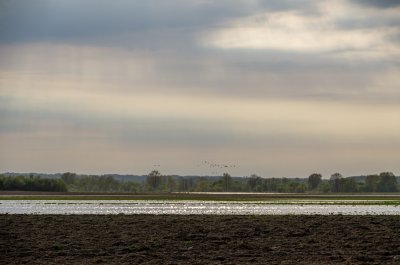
187 208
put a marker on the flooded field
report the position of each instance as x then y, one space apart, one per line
295 207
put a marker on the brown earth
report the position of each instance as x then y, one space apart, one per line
172 239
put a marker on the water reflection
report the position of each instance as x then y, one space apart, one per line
187 208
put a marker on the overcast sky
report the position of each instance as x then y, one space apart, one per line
280 88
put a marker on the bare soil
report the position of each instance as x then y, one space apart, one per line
197 239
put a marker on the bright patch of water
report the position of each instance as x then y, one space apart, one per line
190 207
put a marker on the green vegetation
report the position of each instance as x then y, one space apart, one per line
157 183
314 180
31 183
384 182
98 184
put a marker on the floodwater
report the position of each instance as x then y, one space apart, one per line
189 207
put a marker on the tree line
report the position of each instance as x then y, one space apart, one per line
31 183
157 182
383 182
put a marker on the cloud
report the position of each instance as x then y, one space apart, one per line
127 23
222 74
290 32
77 21
325 31
378 3
355 17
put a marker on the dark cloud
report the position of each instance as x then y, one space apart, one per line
44 20
303 5
378 19
73 20
379 3
368 23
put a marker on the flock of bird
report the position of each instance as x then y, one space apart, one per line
212 165
215 165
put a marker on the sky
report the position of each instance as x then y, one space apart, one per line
274 88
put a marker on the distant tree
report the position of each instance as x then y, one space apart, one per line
226 181
153 180
371 183
348 185
170 184
314 180
387 182
108 183
216 186
360 186
299 188
324 186
238 185
254 183
185 184
130 186
335 182
202 185
68 178
271 184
